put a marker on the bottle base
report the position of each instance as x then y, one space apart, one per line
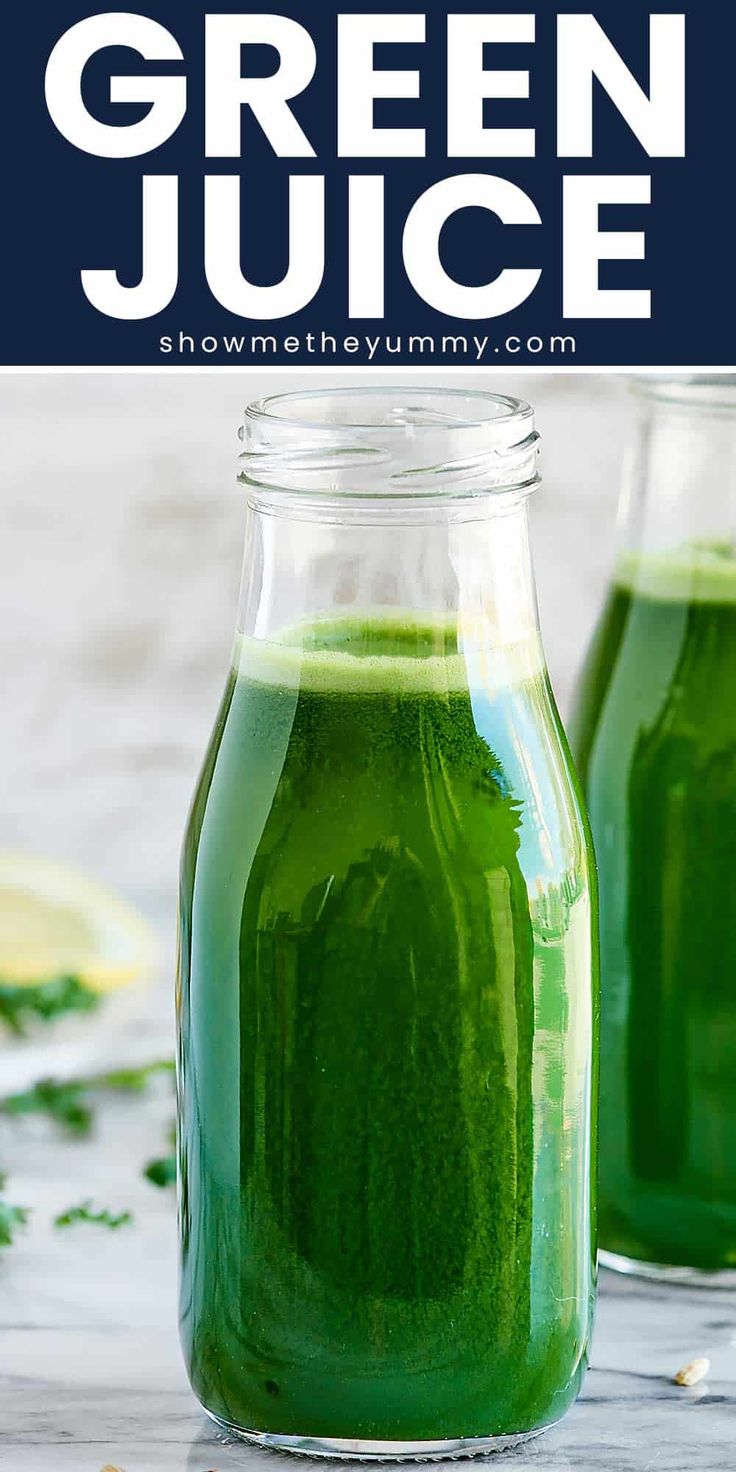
346 1450
667 1273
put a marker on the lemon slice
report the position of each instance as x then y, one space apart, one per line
55 921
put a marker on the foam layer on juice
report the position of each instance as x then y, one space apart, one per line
375 653
691 574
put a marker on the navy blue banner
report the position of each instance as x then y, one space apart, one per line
309 186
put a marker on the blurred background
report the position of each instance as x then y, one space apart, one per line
121 527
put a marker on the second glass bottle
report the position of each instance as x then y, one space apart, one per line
655 738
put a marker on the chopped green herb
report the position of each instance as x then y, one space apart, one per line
86 1212
68 1101
132 1080
11 1218
44 1001
62 1101
161 1172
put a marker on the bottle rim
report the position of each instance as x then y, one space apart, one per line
387 441
708 392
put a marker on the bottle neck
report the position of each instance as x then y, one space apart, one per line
460 577
679 490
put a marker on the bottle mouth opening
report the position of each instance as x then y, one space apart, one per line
389 442
404 409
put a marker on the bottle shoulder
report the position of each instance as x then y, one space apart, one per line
657 695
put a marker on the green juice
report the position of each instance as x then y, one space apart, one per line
386 1029
655 740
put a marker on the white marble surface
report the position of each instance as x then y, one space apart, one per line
90 1370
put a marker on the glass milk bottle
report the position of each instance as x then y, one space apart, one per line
387 995
655 739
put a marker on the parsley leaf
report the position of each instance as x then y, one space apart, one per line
11 1218
86 1212
161 1172
45 1001
68 1102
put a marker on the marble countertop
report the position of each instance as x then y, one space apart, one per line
90 1371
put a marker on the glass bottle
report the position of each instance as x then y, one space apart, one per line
387 990
655 739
